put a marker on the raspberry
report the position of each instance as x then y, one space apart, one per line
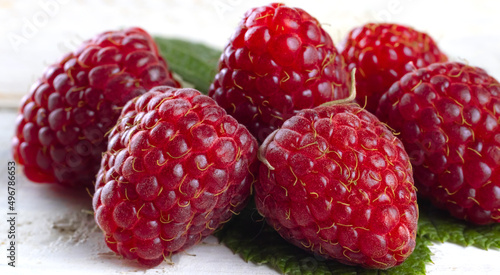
176 168
448 116
277 62
382 53
338 183
60 131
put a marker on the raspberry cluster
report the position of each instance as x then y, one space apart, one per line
382 53
338 183
177 166
278 61
171 165
62 123
448 115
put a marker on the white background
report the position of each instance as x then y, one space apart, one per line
57 234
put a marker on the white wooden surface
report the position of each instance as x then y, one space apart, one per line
56 233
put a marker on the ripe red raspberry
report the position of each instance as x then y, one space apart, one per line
277 62
381 54
60 131
338 183
176 168
448 115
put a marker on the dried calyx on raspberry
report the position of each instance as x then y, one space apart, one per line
177 167
62 122
334 180
278 61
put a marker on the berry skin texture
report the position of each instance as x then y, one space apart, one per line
62 122
448 116
382 53
278 61
341 186
176 168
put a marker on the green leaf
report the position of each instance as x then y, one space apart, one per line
438 226
250 237
194 62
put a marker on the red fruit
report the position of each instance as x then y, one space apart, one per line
338 183
382 53
177 167
448 115
277 62
60 131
